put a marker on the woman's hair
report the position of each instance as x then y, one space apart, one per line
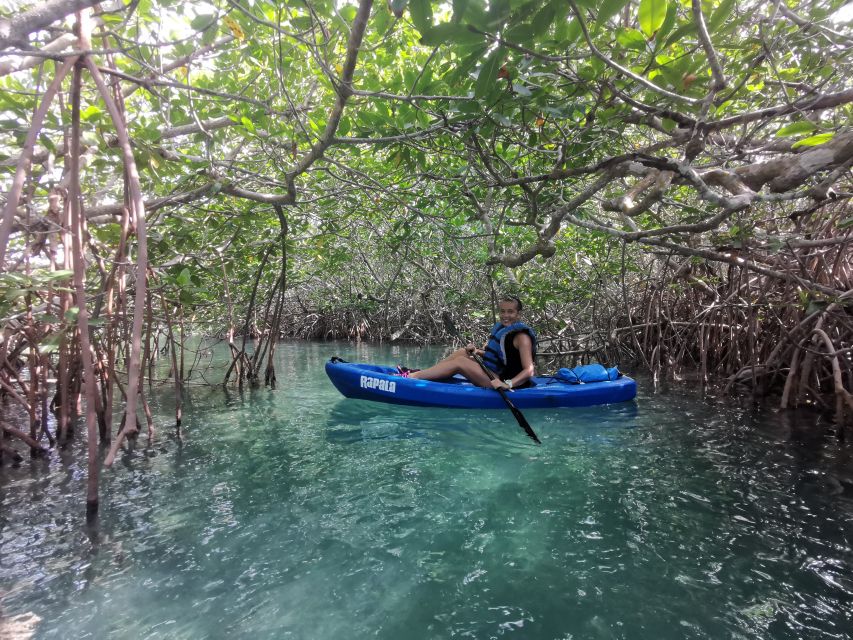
516 300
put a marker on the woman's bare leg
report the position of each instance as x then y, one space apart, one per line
457 362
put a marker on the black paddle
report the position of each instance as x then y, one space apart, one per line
522 421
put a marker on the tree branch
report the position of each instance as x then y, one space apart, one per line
15 31
626 72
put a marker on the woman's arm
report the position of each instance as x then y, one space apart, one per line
524 344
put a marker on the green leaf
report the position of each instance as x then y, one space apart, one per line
184 278
459 8
542 20
50 344
502 120
499 13
421 12
522 33
608 9
60 274
112 18
720 15
571 31
397 7
814 141
796 128
448 32
302 23
203 21
684 30
669 21
209 36
631 39
487 79
92 112
652 14
816 306
348 13
143 9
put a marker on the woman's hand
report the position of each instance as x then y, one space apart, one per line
470 348
500 384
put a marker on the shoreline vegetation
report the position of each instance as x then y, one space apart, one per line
663 183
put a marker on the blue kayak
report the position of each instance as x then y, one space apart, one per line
382 384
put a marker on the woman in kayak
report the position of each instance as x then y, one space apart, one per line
509 353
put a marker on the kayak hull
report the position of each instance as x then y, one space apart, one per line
381 384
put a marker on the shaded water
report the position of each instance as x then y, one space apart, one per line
298 514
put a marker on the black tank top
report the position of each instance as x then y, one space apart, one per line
513 358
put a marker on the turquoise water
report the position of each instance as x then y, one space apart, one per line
298 514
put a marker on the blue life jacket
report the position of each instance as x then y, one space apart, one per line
495 356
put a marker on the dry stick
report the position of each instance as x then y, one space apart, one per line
22 168
66 343
35 371
149 418
74 197
241 355
99 373
43 400
148 356
232 347
8 388
146 409
791 378
113 317
10 451
181 328
808 359
34 445
63 379
261 347
269 374
108 375
624 71
45 358
106 371
841 393
780 344
138 212
176 374
29 330
707 45
275 333
628 307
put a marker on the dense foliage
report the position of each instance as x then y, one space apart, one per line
663 180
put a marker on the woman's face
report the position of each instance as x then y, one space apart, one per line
508 312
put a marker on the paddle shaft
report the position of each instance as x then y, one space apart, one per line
522 421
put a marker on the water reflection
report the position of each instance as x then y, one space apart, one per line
297 513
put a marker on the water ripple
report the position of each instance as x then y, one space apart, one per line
298 514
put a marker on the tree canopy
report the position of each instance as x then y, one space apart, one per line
402 157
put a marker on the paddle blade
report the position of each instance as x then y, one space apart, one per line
522 421
519 417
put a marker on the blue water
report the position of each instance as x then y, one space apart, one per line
297 514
